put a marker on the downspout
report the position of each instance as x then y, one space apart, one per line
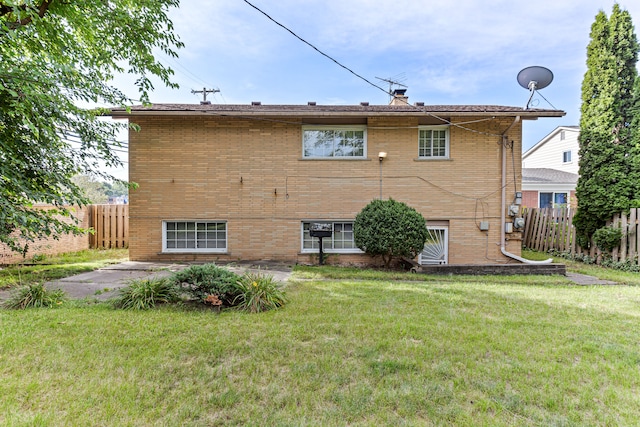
503 204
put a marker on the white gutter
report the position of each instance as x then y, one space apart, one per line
503 206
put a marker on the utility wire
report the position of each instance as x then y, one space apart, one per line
316 49
423 110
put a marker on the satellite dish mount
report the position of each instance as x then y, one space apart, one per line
534 78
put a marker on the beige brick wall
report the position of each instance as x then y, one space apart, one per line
66 243
251 174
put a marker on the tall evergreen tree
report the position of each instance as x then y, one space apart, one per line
609 172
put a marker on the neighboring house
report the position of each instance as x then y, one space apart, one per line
550 169
558 150
246 182
548 188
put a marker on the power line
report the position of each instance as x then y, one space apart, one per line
423 110
193 77
315 48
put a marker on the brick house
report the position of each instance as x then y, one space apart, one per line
245 182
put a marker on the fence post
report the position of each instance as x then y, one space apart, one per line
632 237
623 239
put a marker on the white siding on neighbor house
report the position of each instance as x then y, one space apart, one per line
548 152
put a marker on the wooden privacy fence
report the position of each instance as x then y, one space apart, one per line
111 226
552 229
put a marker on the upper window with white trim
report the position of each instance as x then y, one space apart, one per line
566 156
320 142
433 142
194 236
341 240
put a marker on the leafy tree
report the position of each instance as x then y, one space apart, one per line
93 190
390 229
609 173
116 189
56 57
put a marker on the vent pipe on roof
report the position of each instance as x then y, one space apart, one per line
256 103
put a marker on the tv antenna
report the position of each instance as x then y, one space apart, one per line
394 81
204 93
534 78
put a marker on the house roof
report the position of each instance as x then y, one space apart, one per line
548 137
548 176
312 110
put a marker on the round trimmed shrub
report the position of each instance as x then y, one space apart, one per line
390 229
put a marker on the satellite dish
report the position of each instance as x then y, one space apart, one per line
534 78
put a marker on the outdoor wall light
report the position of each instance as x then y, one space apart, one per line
381 156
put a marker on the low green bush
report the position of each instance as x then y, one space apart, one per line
34 295
259 292
200 281
143 294
607 238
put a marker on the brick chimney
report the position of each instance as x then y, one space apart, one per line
399 98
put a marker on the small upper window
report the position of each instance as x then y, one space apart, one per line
433 142
566 157
334 142
562 135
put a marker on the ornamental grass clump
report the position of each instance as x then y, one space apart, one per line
200 281
35 295
143 294
259 292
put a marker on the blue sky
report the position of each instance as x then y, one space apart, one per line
445 51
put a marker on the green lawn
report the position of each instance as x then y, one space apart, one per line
441 351
618 276
51 268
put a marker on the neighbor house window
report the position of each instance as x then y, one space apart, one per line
433 142
341 239
194 236
566 157
562 135
334 142
553 200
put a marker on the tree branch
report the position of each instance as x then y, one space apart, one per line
8 10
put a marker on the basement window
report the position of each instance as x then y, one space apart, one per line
341 142
341 240
194 236
436 248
